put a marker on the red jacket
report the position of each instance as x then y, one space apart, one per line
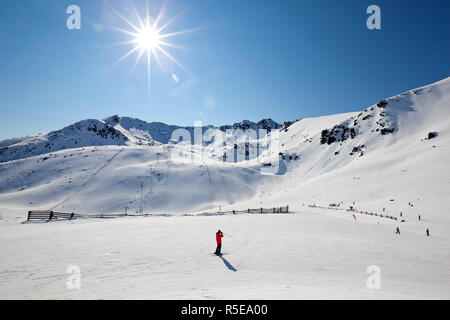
219 238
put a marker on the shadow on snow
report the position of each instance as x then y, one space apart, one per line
229 265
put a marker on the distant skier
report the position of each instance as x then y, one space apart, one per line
428 232
398 231
354 217
219 236
419 217
401 215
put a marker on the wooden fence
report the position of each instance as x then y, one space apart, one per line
261 210
50 215
357 211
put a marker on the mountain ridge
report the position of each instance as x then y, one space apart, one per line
112 130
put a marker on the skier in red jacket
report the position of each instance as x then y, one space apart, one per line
219 236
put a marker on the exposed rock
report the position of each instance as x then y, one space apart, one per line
382 104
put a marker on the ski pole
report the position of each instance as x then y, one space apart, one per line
227 234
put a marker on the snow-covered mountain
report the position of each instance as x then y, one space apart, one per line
266 124
392 157
81 134
113 131
94 155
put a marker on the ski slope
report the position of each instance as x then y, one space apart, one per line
308 255
375 159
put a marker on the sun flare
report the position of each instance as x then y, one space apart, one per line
147 39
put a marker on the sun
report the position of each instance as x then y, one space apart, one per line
147 38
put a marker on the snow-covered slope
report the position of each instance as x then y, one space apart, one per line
408 163
391 158
108 179
312 255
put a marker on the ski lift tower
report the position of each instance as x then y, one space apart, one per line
140 203
150 191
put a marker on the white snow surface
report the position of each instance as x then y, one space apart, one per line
308 253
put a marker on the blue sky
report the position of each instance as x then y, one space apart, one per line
255 59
